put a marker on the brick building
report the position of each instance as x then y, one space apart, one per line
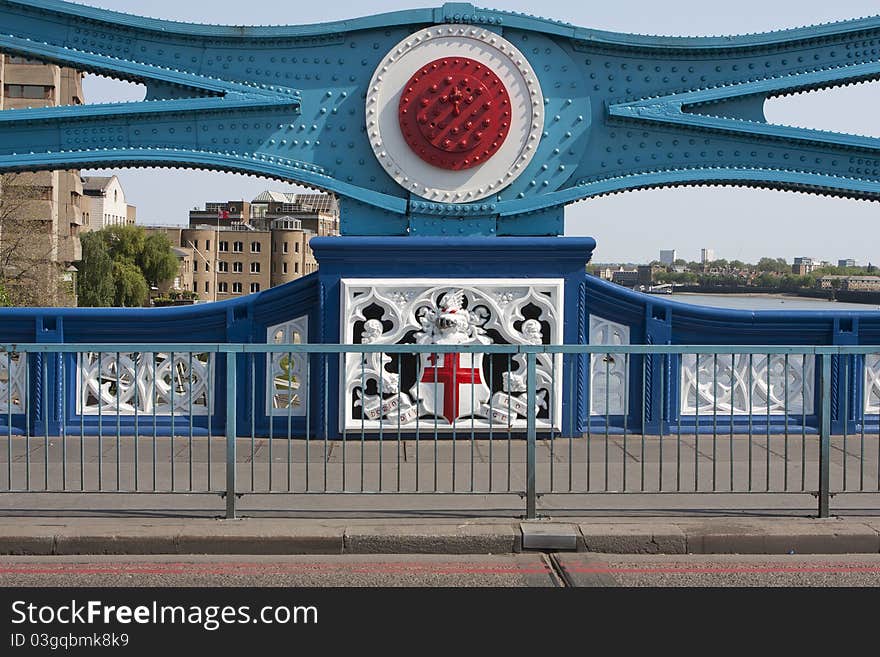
241 247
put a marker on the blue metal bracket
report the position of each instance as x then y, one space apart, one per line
621 111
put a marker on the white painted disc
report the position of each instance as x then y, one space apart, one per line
526 121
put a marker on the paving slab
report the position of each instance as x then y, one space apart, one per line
550 536
634 538
433 539
782 536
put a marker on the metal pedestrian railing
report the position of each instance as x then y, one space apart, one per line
529 420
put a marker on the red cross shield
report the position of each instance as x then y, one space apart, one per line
451 385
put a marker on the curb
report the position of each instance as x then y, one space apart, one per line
28 536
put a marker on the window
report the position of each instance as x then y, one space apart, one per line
207 286
285 247
255 267
236 288
207 266
295 267
195 244
223 288
238 247
237 267
296 247
207 245
255 247
224 246
223 267
32 91
283 267
255 287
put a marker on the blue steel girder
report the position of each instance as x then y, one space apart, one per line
620 111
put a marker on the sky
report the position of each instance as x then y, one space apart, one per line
741 224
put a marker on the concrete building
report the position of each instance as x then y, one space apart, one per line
862 283
242 247
707 256
848 262
646 274
105 203
803 266
626 277
29 83
667 257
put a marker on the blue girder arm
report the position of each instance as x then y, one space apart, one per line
622 111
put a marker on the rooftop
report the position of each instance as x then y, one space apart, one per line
96 183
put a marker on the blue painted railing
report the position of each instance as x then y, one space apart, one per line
653 394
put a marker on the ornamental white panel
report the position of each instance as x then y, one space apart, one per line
145 383
609 378
13 382
428 392
287 383
741 384
872 384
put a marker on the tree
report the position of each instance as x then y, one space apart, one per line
773 265
118 261
124 241
26 269
156 260
95 281
131 287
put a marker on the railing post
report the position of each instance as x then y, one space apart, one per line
231 360
531 435
825 438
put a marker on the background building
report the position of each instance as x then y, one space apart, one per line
803 266
849 262
105 203
55 208
242 247
667 257
707 256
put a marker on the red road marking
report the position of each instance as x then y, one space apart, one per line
723 570
252 568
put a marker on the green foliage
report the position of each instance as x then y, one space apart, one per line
131 287
5 301
120 262
95 281
156 259
842 271
771 265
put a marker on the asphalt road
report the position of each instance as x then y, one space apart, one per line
519 570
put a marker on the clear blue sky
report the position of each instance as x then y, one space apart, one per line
737 223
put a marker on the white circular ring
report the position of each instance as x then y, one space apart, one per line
526 121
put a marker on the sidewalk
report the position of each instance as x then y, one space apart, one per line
622 535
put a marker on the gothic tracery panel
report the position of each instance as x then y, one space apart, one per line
741 384
609 379
449 391
13 382
145 383
872 384
287 382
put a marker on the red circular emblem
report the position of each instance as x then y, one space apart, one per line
454 113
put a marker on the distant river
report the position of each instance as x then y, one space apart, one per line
765 302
